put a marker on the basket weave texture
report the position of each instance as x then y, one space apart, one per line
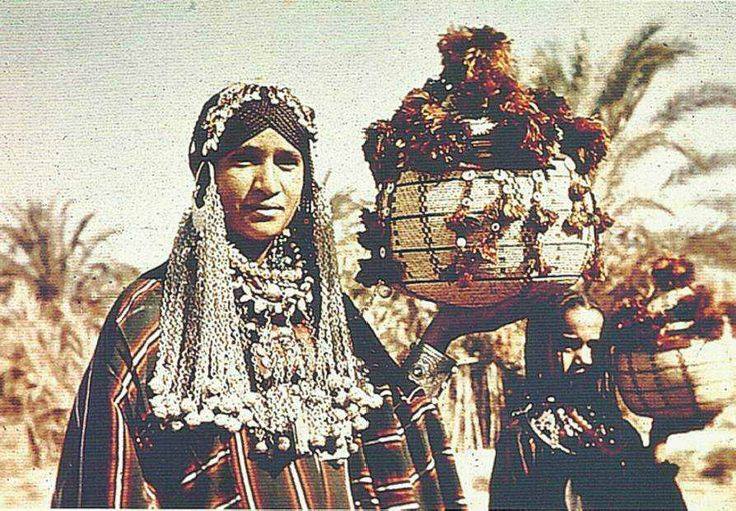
416 206
686 383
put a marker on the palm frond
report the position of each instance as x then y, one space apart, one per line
700 166
38 242
721 160
550 72
638 147
613 173
89 247
572 82
709 95
63 216
14 235
11 268
56 218
715 247
627 82
581 75
635 44
76 240
725 202
621 74
641 203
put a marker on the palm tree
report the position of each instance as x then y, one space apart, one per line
614 96
41 251
55 297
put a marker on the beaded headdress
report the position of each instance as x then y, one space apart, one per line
262 346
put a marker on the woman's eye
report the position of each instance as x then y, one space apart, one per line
286 160
568 346
287 164
244 161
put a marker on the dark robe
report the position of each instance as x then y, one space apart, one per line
609 471
116 454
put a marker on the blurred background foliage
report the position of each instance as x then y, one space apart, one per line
55 291
54 296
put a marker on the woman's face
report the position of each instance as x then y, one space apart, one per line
260 185
579 342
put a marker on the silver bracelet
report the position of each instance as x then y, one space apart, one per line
429 368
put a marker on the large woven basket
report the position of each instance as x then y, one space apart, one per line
415 207
694 382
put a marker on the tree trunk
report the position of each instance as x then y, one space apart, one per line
472 405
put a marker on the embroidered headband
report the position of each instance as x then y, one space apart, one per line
240 112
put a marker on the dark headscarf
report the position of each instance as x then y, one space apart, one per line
288 118
543 332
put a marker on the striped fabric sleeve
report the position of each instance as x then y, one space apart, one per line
406 461
99 466
430 451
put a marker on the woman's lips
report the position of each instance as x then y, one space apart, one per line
264 210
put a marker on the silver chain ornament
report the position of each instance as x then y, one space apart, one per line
233 364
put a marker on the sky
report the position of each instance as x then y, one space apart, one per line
98 99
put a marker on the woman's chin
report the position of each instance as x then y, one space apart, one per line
263 231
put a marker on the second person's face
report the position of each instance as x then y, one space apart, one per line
260 185
580 339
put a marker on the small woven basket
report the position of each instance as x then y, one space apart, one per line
416 206
685 383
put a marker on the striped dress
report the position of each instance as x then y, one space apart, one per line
116 454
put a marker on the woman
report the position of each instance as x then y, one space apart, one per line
566 445
238 374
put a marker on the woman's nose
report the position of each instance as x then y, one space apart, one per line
584 355
266 179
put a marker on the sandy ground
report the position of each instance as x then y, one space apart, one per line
707 461
21 484
474 468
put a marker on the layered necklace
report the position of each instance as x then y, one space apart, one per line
294 401
263 347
